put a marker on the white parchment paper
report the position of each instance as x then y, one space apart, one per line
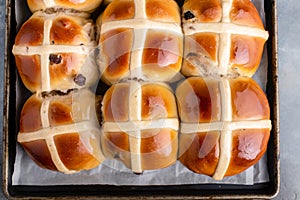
112 172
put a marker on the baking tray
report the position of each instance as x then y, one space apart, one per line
14 88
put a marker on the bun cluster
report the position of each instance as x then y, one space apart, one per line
179 82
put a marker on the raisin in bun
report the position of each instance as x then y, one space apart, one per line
140 39
55 51
61 132
222 38
140 125
225 125
80 5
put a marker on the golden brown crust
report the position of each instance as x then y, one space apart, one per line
39 153
116 145
198 100
158 146
244 12
248 146
246 53
114 109
200 152
67 70
244 115
203 51
73 153
118 10
81 5
242 34
248 100
161 55
29 68
31 33
60 113
206 43
157 102
115 54
65 30
203 10
166 10
144 43
76 150
31 110
160 150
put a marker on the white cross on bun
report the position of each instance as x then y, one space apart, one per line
222 38
55 51
140 125
225 125
140 39
61 132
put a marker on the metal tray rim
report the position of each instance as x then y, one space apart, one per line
272 76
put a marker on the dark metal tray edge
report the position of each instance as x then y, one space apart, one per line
6 98
272 93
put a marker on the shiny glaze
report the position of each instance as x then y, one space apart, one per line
72 2
82 5
203 43
200 152
248 146
246 52
67 69
115 103
60 113
30 70
31 33
161 51
201 53
158 148
119 10
73 153
163 10
116 49
198 100
203 10
248 100
66 31
71 149
244 12
157 102
31 110
116 145
39 153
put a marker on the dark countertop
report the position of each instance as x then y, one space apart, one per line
289 84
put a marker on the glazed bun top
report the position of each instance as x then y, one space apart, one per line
241 12
233 99
140 39
163 11
140 125
54 51
222 37
63 27
60 131
228 117
80 5
143 101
